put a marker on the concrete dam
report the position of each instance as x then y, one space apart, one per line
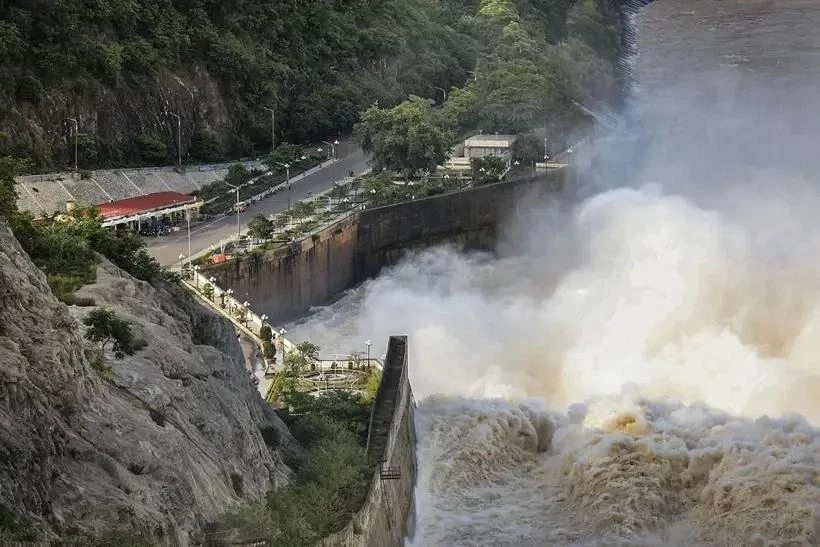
288 281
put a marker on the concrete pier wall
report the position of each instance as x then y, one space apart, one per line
287 282
387 515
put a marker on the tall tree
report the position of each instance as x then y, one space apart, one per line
407 138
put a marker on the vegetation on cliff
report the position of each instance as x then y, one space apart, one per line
123 68
316 64
67 247
331 482
536 61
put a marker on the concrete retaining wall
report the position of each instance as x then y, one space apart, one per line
386 517
287 282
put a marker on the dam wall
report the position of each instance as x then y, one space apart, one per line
387 515
288 281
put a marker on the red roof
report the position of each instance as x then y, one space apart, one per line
143 204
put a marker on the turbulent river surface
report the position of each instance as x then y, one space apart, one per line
642 368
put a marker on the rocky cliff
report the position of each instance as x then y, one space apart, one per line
175 438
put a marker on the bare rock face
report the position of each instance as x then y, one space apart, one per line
170 443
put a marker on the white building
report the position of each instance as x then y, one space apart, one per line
480 146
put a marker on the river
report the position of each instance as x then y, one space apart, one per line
642 369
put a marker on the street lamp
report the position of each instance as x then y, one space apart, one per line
179 138
287 177
238 227
368 344
76 135
247 306
188 222
272 127
229 292
332 146
282 333
443 91
196 275
181 263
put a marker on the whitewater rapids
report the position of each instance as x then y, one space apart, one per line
645 373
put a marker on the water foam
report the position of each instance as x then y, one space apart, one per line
612 385
665 332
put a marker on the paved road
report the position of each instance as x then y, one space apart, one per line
166 249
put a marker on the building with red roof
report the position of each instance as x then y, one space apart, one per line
133 211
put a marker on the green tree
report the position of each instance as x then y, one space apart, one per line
104 327
151 149
302 209
237 174
208 291
284 153
206 146
260 227
265 333
9 168
280 221
86 150
487 169
406 138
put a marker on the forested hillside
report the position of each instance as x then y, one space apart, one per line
122 67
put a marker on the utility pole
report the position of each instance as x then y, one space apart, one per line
76 134
179 138
272 127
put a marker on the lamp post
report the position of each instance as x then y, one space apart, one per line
238 227
229 292
76 134
444 91
181 263
287 178
332 146
272 128
368 344
282 333
179 138
546 152
247 306
196 275
212 281
188 222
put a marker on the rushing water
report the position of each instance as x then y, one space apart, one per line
643 369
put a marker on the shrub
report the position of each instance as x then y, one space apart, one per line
206 146
270 435
104 327
151 150
74 300
14 527
105 371
265 333
268 351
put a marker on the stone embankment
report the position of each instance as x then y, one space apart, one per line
387 515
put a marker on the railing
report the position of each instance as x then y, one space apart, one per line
250 318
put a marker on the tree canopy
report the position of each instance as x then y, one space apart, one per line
406 138
535 63
104 327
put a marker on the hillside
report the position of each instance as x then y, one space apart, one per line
139 455
121 68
